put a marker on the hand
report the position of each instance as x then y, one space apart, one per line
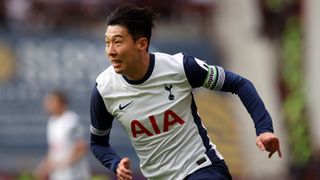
40 175
42 171
123 170
269 142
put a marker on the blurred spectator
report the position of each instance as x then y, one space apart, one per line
66 157
46 15
18 13
312 168
2 15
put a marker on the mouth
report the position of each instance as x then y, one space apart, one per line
116 63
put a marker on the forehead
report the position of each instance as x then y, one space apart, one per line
116 31
53 97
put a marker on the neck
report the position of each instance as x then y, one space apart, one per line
60 111
140 68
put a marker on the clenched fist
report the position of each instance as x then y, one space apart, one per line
123 170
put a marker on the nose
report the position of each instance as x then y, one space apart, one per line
111 52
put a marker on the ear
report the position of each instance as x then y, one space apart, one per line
142 43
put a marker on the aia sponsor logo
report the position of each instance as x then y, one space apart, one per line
170 118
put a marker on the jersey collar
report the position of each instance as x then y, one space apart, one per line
146 76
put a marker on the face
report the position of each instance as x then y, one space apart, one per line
121 49
52 104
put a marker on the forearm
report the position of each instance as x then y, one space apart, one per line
101 123
216 78
250 99
79 151
43 168
104 153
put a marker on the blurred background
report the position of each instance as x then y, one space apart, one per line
46 45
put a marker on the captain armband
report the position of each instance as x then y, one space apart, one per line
215 78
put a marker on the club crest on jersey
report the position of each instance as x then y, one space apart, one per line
168 88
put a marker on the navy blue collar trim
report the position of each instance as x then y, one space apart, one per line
146 76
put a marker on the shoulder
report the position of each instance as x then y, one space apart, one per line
172 58
105 75
107 79
71 117
180 58
73 125
168 62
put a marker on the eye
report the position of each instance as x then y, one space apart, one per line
107 43
117 42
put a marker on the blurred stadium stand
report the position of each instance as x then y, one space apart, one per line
59 44
65 52
39 64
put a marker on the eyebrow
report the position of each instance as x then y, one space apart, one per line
115 36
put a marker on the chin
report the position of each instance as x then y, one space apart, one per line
118 71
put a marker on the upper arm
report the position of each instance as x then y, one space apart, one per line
101 123
101 119
200 73
76 131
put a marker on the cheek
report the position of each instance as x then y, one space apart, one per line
52 105
126 53
133 51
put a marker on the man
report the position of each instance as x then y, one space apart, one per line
66 158
150 94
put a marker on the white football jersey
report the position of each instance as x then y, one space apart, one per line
160 116
62 133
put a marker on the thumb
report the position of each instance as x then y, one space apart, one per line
126 162
260 144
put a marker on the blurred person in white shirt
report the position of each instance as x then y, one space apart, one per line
66 157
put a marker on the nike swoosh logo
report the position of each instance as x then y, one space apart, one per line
122 107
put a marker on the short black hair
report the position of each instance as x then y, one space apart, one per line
138 20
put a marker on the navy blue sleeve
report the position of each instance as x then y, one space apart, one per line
211 77
247 93
101 123
195 73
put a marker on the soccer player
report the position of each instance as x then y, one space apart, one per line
151 95
66 158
